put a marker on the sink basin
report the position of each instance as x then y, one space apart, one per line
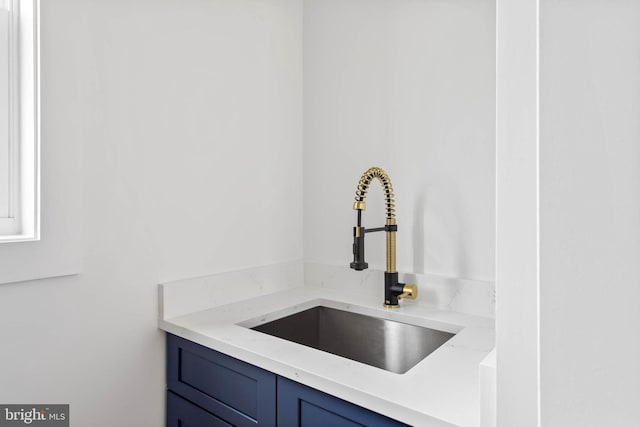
382 343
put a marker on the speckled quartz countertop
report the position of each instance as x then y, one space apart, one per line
441 390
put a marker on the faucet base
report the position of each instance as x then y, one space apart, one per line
394 291
391 290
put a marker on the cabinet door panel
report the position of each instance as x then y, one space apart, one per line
239 393
315 416
302 406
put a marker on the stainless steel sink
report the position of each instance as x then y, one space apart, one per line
382 343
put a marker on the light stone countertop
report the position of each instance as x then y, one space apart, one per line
441 390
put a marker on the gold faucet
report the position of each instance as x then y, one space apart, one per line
393 291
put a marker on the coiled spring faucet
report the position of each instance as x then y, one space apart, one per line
393 291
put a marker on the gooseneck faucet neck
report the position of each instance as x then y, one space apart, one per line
390 208
393 290
363 187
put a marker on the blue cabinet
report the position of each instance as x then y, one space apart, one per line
209 389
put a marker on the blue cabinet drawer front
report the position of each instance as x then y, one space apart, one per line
182 413
302 406
239 393
221 382
315 416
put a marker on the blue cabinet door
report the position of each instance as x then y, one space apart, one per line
241 394
302 406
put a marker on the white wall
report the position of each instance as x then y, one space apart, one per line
568 327
517 214
188 115
408 86
590 213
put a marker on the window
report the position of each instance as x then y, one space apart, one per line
58 252
19 121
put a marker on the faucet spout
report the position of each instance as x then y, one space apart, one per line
390 221
393 290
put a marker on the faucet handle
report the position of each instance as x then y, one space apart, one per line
409 292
